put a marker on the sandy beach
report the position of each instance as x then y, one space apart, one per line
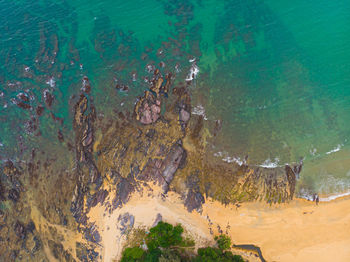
298 231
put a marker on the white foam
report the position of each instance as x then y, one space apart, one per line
333 197
51 82
150 68
194 70
336 149
218 154
262 107
199 110
230 159
270 164
177 68
313 151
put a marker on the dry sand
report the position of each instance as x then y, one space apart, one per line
298 231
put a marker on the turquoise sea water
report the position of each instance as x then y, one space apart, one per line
277 73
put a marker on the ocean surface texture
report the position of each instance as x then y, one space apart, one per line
274 74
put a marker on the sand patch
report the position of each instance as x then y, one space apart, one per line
298 231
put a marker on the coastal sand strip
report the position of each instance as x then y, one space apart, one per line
298 231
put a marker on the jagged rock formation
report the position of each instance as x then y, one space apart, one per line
169 150
114 158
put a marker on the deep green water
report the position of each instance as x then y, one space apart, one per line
277 73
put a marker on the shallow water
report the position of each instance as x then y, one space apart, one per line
276 73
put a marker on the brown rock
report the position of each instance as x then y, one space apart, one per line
147 109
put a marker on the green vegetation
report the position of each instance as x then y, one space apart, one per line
210 254
224 242
164 235
133 254
166 244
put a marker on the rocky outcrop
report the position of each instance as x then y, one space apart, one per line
158 219
174 160
292 176
194 198
116 157
147 109
91 233
84 117
83 121
162 171
124 188
125 222
78 204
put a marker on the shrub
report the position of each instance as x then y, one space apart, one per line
152 255
210 254
132 254
165 244
169 255
164 235
223 241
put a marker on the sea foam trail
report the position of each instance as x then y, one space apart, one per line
329 198
333 197
199 110
270 164
336 149
194 70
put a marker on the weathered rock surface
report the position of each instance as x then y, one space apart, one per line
194 199
116 157
124 188
125 222
147 109
162 171
157 220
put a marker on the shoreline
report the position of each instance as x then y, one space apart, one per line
295 231
325 197
331 197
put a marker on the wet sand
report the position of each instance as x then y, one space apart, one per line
298 231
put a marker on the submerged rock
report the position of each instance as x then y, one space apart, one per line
39 110
48 98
